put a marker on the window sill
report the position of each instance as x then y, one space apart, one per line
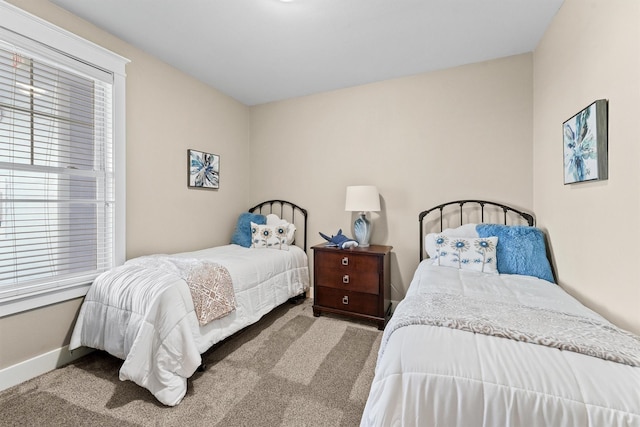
41 299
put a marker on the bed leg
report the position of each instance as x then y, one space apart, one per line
298 298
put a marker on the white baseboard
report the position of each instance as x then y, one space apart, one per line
39 365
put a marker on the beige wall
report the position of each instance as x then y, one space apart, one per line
468 132
422 140
167 113
592 51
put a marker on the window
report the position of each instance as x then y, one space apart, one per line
59 191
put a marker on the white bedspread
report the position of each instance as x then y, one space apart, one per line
430 375
150 321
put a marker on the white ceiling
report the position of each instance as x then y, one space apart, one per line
258 51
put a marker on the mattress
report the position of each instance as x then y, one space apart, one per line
439 376
151 324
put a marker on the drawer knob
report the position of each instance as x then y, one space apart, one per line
345 261
345 279
345 299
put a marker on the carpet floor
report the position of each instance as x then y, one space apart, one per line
288 369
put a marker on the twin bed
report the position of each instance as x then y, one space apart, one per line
484 337
160 313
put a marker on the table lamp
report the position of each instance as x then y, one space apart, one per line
363 199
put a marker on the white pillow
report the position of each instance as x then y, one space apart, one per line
467 253
273 219
467 230
269 236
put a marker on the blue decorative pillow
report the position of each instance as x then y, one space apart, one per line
521 250
242 235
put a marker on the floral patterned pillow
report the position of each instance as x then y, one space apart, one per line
269 236
273 219
476 254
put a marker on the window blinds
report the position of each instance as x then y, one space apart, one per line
56 174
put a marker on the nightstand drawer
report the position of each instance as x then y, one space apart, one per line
344 270
356 302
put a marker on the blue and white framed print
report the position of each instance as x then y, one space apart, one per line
585 144
203 170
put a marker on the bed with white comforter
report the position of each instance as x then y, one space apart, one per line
475 348
145 315
441 376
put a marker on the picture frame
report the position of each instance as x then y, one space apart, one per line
585 144
203 170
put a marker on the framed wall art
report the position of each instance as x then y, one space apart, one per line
203 170
585 144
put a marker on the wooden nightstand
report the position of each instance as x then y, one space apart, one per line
352 282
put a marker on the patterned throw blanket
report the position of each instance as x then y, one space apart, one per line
210 283
551 328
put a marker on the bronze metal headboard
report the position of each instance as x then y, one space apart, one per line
285 210
472 209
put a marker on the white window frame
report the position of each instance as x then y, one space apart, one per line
76 48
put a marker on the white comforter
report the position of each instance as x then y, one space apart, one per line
437 376
149 319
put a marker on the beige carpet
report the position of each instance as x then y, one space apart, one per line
289 369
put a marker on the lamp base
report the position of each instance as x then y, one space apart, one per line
362 230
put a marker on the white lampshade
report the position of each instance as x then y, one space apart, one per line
362 198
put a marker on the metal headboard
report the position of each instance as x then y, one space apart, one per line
479 205
285 210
